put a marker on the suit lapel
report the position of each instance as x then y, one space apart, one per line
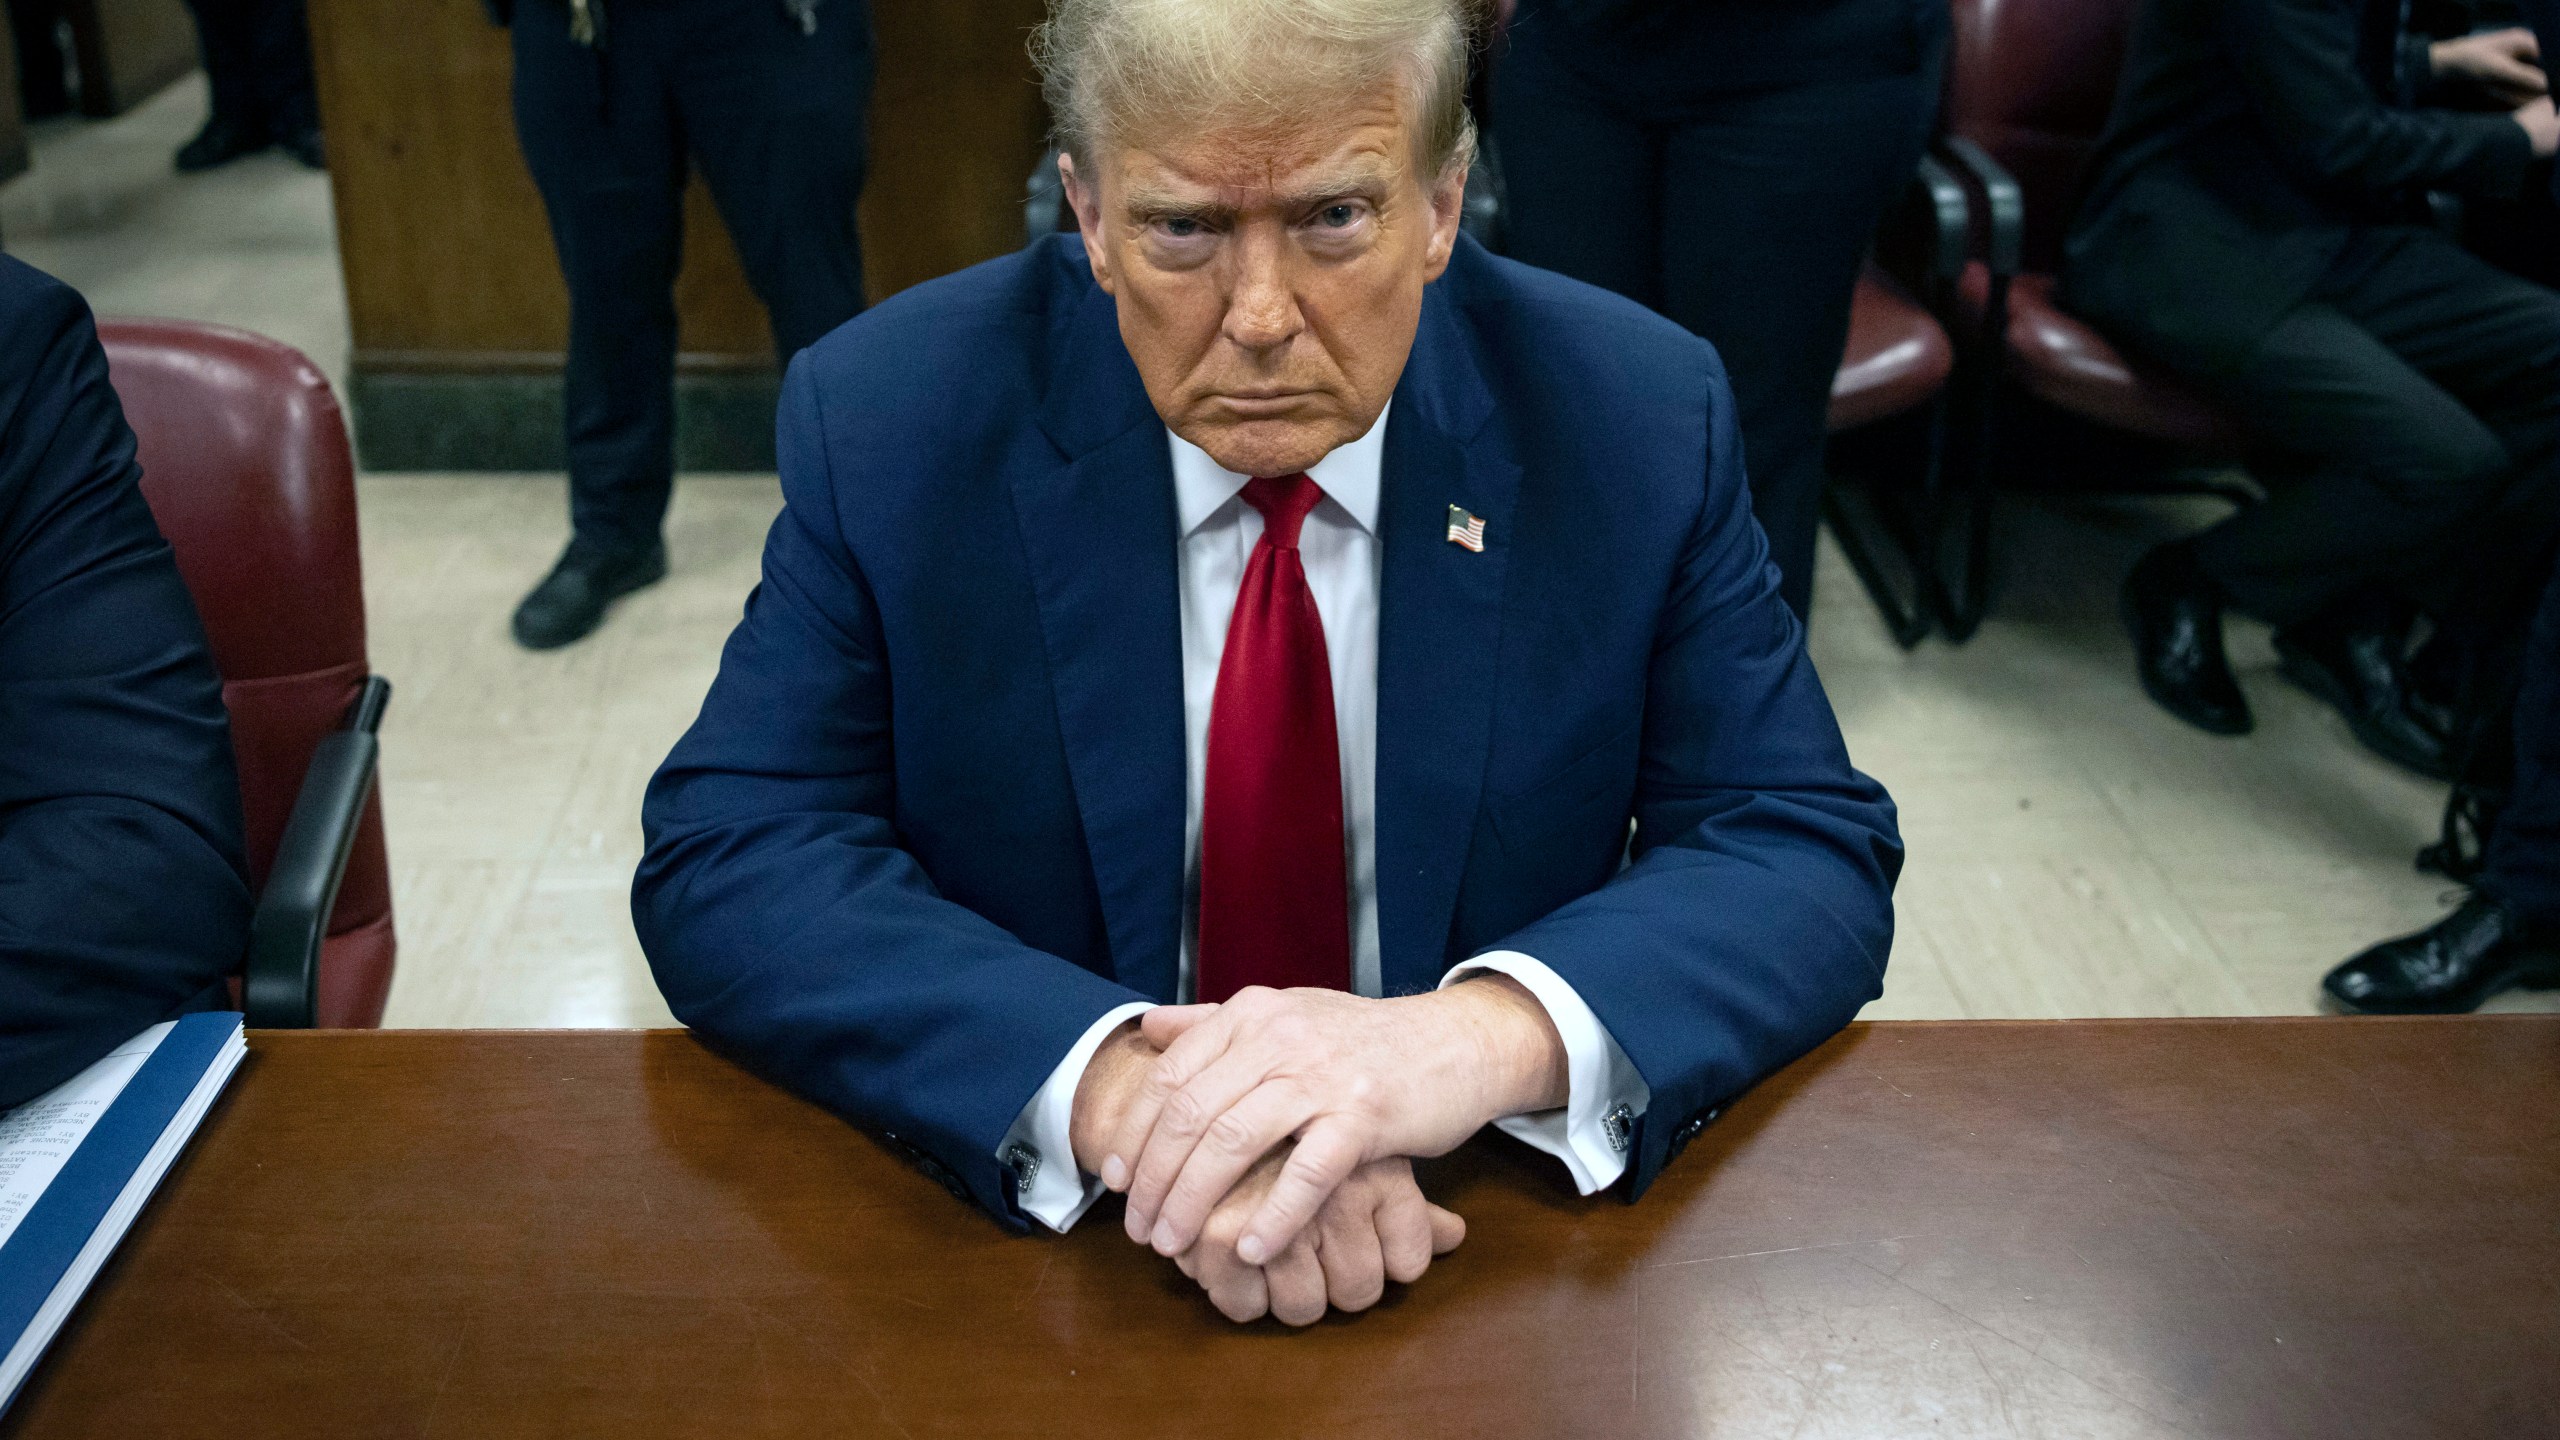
1099 530
1439 637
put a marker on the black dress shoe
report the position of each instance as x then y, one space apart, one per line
571 600
2359 671
2448 968
2174 612
221 141
305 146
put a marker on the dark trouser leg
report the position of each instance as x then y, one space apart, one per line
1581 173
1769 201
222 35
41 80
2418 395
2523 863
277 38
601 141
776 118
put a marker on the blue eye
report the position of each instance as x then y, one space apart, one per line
1182 227
1338 216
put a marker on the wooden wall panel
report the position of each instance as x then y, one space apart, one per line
449 265
956 124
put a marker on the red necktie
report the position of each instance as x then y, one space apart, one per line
1275 908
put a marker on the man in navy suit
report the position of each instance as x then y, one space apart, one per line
1262 690
123 900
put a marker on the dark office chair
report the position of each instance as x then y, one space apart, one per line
245 463
2028 90
1896 416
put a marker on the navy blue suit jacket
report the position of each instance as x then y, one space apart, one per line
122 900
929 825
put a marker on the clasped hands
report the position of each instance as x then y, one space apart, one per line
2506 65
1264 1144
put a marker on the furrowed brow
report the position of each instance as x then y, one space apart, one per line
1362 183
1152 205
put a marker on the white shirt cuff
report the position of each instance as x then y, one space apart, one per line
1604 1094
1041 1141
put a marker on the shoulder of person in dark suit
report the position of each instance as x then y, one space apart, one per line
123 897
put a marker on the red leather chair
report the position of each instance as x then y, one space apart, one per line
2029 87
245 463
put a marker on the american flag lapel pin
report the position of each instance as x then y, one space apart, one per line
1466 530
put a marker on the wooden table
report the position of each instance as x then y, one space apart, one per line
2315 1228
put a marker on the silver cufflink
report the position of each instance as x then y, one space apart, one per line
1025 1163
1619 1125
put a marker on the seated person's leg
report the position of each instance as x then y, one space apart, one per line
2384 466
2523 861
2504 933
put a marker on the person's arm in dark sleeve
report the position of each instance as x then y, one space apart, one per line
2297 59
783 920
122 899
1756 914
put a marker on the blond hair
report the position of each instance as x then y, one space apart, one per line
1117 70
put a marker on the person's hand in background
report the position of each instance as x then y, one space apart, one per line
2503 63
1374 1227
1350 1080
2542 124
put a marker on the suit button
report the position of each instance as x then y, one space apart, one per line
1693 1127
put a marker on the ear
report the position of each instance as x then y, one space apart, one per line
1448 205
1086 200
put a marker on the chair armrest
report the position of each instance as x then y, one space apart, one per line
282 986
1927 235
2003 219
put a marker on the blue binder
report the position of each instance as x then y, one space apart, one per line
48 1241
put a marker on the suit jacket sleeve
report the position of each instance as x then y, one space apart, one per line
2298 60
785 923
1755 914
122 901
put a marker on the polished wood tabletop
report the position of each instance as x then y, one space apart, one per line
2317 1228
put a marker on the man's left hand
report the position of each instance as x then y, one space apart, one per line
1375 1228
1353 1080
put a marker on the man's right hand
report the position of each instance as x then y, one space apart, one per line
2542 124
1374 1227
2504 63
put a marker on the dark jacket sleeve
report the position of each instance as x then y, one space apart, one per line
784 920
1756 911
2298 60
122 897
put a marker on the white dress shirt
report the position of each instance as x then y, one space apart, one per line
1338 546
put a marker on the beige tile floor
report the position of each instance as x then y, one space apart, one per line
2073 851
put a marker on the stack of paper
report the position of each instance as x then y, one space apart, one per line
77 1163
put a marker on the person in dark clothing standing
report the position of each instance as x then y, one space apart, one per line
2255 220
1724 162
614 99
44 89
2507 932
123 894
257 59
